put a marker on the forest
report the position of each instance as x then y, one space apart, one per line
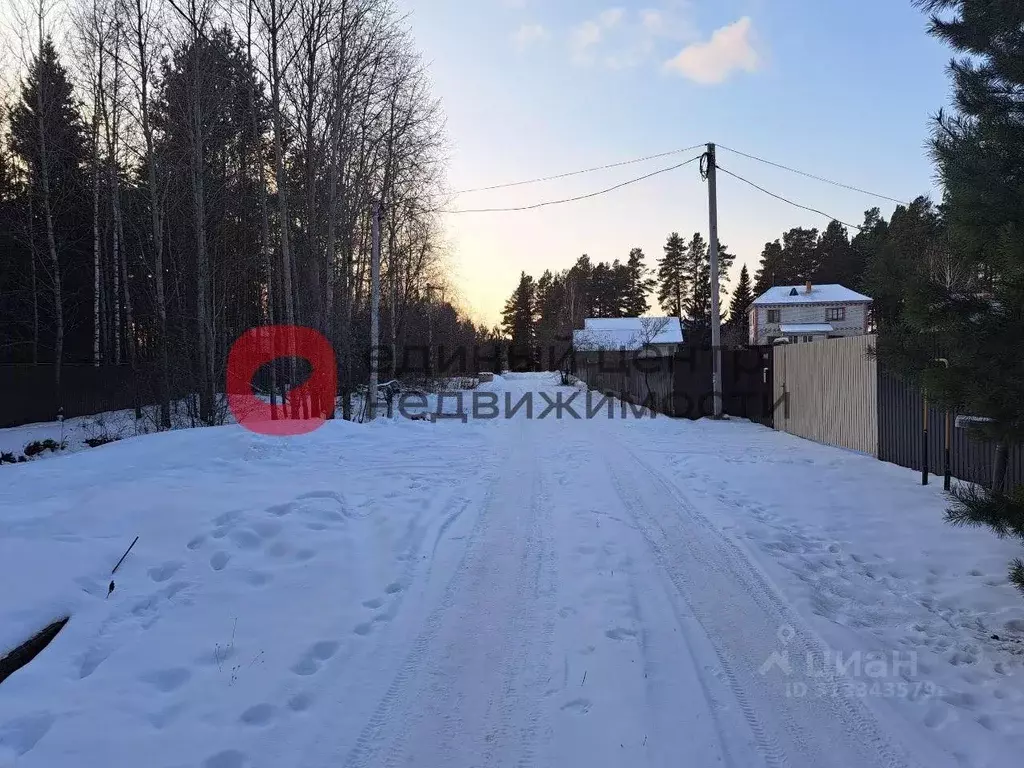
175 172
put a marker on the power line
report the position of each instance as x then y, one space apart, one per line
580 197
785 200
577 173
816 178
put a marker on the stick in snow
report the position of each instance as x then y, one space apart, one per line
124 556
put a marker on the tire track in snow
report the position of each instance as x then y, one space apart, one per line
831 730
433 695
768 747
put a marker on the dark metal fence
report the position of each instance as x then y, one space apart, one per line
900 440
681 385
28 393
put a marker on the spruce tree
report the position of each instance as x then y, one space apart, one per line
977 324
673 277
742 298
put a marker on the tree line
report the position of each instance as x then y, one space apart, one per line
175 172
542 313
874 261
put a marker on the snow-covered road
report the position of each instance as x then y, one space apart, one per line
521 592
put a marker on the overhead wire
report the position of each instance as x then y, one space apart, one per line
813 176
578 197
580 172
786 200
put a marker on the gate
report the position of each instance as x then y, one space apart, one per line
747 390
746 383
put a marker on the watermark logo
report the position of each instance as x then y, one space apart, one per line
308 405
852 674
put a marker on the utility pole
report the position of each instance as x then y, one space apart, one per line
371 395
716 318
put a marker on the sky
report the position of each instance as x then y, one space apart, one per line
534 88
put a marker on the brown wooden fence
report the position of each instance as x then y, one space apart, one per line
829 392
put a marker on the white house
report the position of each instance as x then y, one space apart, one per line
807 313
613 334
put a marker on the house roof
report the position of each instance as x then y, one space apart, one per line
820 294
806 328
615 333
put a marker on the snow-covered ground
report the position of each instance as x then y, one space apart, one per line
504 592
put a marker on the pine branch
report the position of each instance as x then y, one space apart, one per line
1017 574
978 507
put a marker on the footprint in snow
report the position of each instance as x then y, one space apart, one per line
311 660
257 578
219 560
246 539
23 733
167 680
580 706
229 758
281 510
261 714
278 549
620 633
159 573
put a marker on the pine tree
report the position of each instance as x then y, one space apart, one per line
977 324
866 244
838 261
673 277
639 284
897 260
771 268
800 256
698 266
725 262
519 317
742 298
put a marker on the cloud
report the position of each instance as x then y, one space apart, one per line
528 34
582 39
619 39
611 18
730 48
515 4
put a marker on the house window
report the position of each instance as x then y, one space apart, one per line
773 315
808 338
836 313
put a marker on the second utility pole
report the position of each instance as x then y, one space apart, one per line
716 318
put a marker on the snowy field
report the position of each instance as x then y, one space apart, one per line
548 592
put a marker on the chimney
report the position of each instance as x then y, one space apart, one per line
809 288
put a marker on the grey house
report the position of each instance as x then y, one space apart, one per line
807 313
